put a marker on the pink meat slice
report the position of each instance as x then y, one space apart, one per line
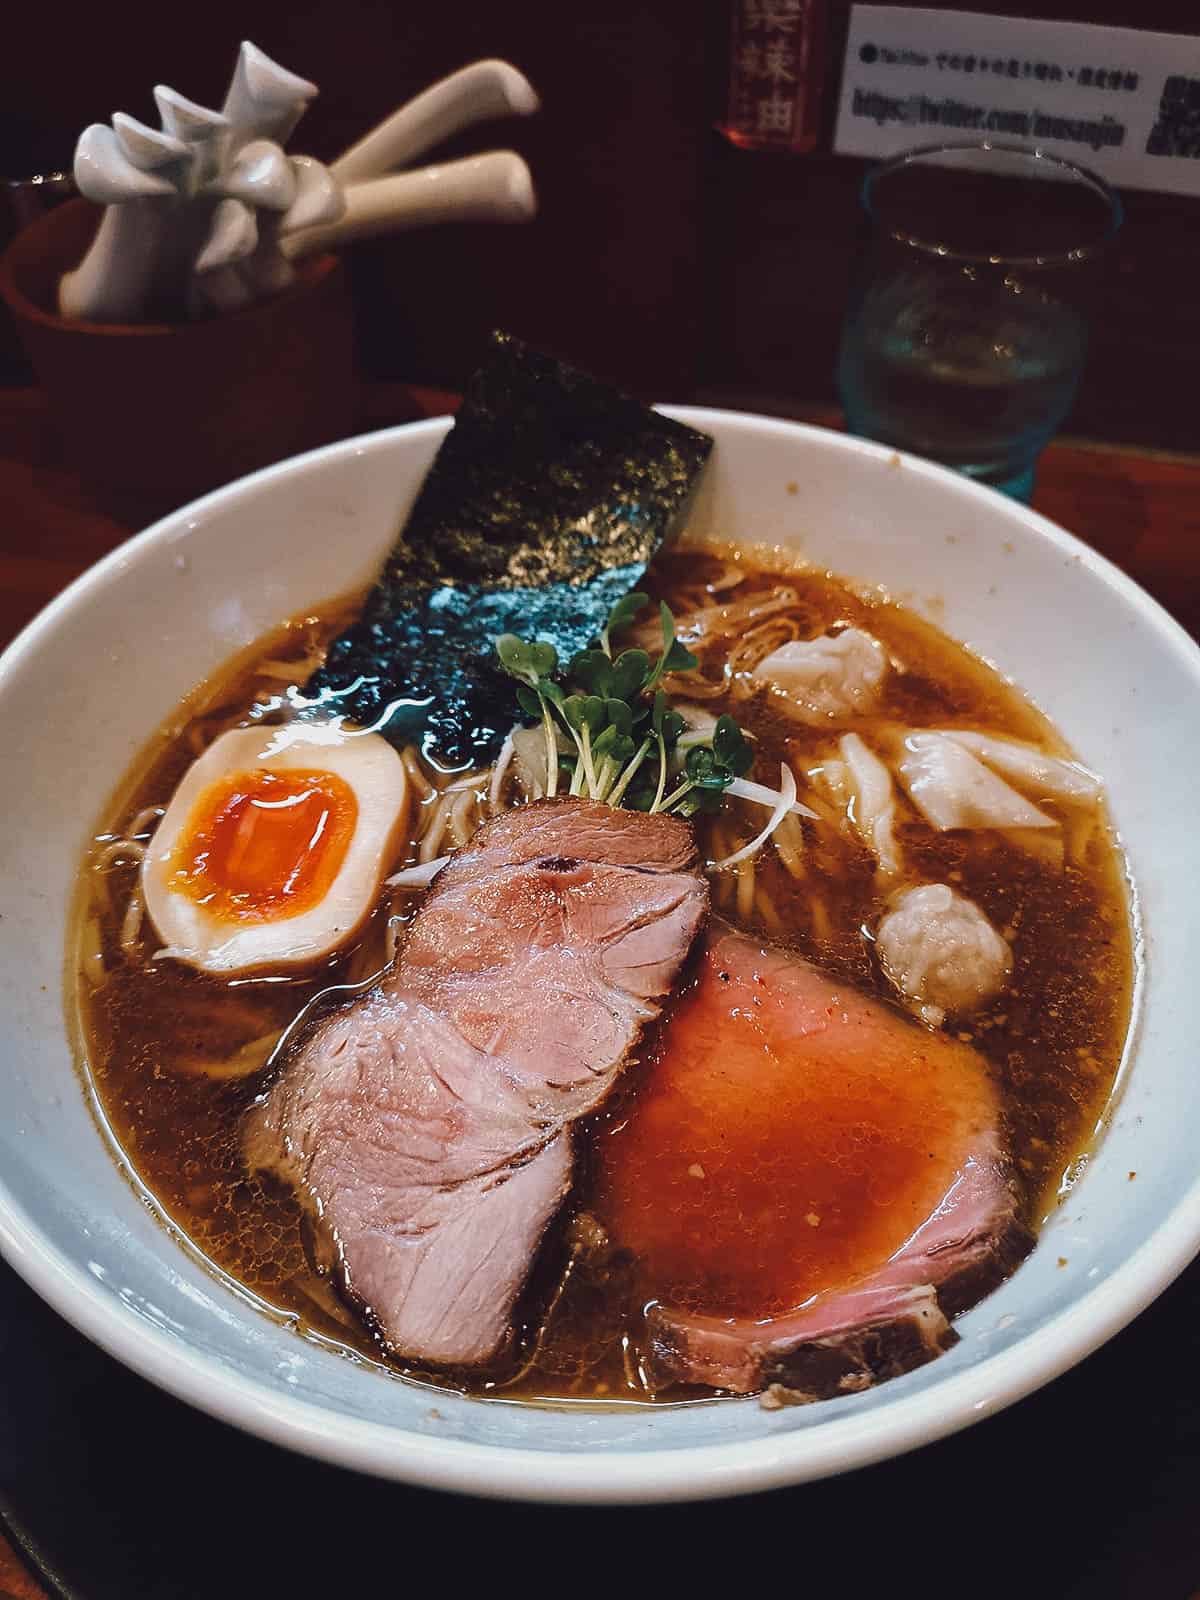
850 1339
426 1126
813 1184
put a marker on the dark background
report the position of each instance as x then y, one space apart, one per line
662 256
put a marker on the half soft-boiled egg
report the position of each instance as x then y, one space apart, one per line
274 845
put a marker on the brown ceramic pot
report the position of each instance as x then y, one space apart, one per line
152 415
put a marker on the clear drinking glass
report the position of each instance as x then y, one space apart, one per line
967 329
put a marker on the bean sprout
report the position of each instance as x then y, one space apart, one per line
417 877
91 954
787 798
322 1298
736 617
461 809
761 795
1080 832
500 770
129 851
697 687
755 646
297 671
451 814
789 845
471 780
730 577
765 907
435 830
416 773
249 1058
131 922
745 888
280 671
723 884
144 824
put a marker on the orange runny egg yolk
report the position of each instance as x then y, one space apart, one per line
264 845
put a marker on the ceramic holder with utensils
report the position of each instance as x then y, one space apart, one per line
209 217
152 414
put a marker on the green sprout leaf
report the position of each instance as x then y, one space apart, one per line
679 658
675 657
639 798
621 615
619 716
629 673
529 701
592 671
703 800
543 658
513 653
618 747
665 721
731 748
612 699
705 771
584 711
524 660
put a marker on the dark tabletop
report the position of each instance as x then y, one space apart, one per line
1088 1489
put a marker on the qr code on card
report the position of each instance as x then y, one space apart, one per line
1176 131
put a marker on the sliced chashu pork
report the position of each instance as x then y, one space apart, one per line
426 1125
812 1184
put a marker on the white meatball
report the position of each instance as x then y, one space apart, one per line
834 675
941 952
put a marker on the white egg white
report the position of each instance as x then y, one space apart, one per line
366 763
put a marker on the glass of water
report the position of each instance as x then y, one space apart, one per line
967 328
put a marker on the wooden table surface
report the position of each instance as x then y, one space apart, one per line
1142 509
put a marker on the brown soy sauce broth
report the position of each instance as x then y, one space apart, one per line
150 1031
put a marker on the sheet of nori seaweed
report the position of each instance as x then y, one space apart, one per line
543 506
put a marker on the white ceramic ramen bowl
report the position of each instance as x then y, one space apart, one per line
101 668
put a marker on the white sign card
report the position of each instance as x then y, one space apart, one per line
1124 102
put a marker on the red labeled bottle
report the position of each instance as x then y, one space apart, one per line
777 51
